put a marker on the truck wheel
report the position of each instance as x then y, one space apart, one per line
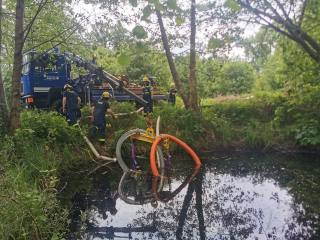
56 106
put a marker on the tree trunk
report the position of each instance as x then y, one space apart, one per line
17 67
3 102
193 93
174 72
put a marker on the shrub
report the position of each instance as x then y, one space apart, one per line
259 135
50 127
217 129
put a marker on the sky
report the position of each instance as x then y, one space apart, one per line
96 14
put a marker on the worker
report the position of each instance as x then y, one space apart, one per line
71 104
172 95
147 95
94 59
99 115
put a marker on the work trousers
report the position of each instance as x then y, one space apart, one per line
100 126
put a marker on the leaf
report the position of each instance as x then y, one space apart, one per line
146 12
172 4
232 5
134 3
124 59
180 20
215 43
158 6
140 48
139 32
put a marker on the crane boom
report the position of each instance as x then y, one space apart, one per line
103 75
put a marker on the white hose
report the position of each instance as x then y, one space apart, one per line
158 127
94 150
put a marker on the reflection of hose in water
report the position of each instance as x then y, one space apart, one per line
134 162
130 179
169 196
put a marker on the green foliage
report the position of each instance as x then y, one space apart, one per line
261 106
236 78
179 20
134 3
146 12
259 135
139 32
186 125
258 48
45 127
250 122
308 133
232 5
172 4
215 43
301 112
273 75
28 210
136 61
124 59
217 128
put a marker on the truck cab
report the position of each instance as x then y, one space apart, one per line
43 78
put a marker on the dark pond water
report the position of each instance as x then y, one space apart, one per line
231 197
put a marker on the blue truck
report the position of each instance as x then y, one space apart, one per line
45 74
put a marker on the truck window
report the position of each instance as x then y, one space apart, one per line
26 64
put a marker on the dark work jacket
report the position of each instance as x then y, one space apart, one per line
147 94
100 110
172 95
72 100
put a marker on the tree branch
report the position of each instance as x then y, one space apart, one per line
303 10
30 24
74 27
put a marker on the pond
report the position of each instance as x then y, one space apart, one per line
231 197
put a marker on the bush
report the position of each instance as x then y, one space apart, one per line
48 127
217 129
300 114
180 122
259 135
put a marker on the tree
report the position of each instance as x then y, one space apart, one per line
173 69
193 95
3 102
285 17
17 66
259 47
189 97
236 78
273 74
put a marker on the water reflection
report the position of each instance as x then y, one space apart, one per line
230 198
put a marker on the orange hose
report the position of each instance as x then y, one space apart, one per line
182 144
